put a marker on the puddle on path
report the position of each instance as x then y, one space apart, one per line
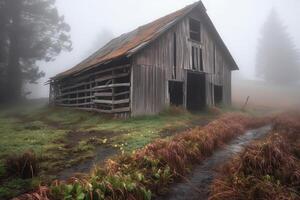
197 187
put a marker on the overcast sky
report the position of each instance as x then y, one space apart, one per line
239 23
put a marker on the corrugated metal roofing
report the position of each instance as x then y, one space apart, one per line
131 42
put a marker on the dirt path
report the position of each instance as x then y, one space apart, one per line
197 184
102 153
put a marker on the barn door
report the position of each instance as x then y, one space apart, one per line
218 94
196 91
176 93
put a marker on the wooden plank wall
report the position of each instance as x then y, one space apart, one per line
227 86
160 52
158 58
208 60
148 90
105 90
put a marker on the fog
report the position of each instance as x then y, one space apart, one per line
239 22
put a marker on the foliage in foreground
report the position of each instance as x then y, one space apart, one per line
150 170
267 169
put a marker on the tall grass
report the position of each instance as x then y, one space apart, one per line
267 169
150 170
23 166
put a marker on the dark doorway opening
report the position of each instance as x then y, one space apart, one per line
196 92
176 93
218 94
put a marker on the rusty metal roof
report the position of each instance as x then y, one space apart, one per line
129 43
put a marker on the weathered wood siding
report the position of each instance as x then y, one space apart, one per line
160 52
216 65
158 58
208 60
153 67
149 86
227 85
104 89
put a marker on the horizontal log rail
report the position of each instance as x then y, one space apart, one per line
98 94
103 94
63 89
111 101
108 94
117 110
75 104
122 93
88 91
96 88
94 74
112 86
76 85
74 92
112 77
75 98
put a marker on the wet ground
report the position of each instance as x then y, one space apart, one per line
196 185
102 151
75 136
102 154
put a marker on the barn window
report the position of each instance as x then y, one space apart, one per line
193 59
174 57
195 30
197 58
201 60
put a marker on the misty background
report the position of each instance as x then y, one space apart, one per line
239 22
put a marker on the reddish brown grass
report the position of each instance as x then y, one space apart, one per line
267 169
40 194
23 166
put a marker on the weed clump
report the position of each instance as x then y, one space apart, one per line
40 194
215 110
174 110
23 166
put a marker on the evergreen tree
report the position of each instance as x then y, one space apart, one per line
31 31
277 56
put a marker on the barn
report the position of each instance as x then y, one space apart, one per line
179 59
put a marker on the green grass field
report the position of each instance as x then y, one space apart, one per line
62 138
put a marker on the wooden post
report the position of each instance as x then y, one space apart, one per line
244 106
51 95
91 94
113 91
